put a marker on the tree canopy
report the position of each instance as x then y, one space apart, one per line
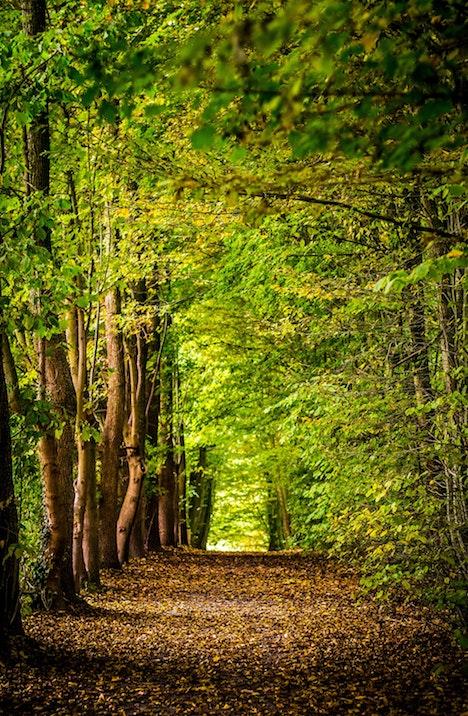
233 288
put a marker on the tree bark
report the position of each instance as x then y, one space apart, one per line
275 532
56 459
153 404
452 324
10 615
55 453
134 434
91 521
182 487
77 355
454 463
137 547
15 401
152 540
167 475
180 463
284 512
112 436
201 505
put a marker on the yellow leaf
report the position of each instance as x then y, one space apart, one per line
369 41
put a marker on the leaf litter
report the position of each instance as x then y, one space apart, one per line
185 632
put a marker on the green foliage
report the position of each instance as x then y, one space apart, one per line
288 179
28 493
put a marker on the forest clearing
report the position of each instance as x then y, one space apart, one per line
233 356
237 633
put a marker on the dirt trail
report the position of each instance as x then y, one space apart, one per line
184 633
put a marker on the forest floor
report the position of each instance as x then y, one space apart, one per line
191 633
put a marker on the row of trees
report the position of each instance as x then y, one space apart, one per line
89 360
198 204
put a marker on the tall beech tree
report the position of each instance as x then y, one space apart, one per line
201 485
134 439
168 510
55 385
112 437
152 416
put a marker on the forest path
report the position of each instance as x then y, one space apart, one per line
190 633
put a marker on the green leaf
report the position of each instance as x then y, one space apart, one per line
108 111
203 137
90 95
434 108
153 110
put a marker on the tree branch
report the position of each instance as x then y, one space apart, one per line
420 228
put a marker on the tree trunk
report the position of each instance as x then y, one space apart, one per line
284 512
134 434
152 541
128 511
275 532
10 615
182 487
167 474
452 324
15 401
153 404
201 505
419 347
137 546
55 454
91 522
112 436
181 506
56 460
77 355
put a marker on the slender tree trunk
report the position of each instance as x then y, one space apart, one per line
128 511
283 512
419 347
452 328
85 483
429 463
137 546
167 474
180 461
15 401
452 325
152 541
422 384
112 436
56 460
77 355
55 454
134 434
208 512
182 487
10 615
137 534
275 533
91 522
79 506
201 505
153 404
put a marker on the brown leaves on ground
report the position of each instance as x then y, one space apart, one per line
190 633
